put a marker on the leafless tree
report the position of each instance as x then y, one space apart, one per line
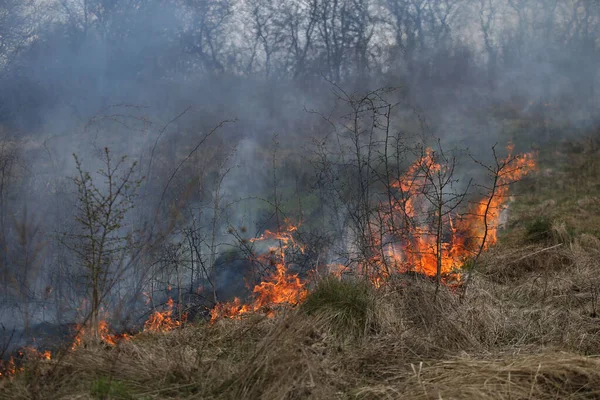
444 198
501 173
101 243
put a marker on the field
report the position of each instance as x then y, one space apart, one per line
527 328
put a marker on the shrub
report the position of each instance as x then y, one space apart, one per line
538 230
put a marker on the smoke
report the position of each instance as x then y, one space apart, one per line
79 76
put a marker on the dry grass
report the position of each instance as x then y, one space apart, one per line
541 376
529 328
525 331
525 336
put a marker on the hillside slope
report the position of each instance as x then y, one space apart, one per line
528 328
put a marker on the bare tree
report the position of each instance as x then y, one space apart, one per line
15 30
205 33
444 199
301 20
9 156
102 240
502 172
353 170
487 16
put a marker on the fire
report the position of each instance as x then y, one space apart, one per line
461 235
85 333
516 168
159 321
337 270
164 321
233 309
279 288
11 367
416 248
285 237
412 246
33 353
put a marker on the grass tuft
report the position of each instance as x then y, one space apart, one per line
347 305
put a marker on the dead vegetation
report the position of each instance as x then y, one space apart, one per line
528 328
525 336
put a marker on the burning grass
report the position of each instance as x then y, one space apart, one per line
163 321
502 339
527 329
280 288
459 237
524 339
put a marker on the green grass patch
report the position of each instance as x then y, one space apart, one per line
348 305
106 388
566 189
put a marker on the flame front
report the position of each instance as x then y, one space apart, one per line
460 236
10 368
164 321
279 288
411 246
411 241
85 332
516 168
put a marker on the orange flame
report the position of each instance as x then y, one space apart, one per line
11 368
462 236
159 321
337 270
164 321
279 288
232 309
85 333
516 167
418 250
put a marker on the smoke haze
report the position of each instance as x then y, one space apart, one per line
151 79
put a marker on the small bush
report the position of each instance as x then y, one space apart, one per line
347 305
538 230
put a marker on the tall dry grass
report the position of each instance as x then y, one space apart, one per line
527 330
